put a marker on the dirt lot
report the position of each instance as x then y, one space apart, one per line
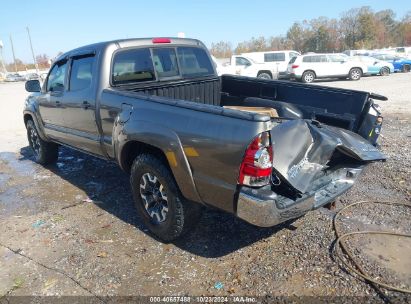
71 229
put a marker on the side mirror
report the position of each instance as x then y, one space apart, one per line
247 64
375 62
33 86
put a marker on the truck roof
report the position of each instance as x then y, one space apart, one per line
132 42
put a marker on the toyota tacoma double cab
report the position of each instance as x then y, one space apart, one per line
266 151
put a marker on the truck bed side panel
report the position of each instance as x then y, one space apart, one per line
210 139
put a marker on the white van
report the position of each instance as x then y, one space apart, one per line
277 59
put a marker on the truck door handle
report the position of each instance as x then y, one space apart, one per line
85 105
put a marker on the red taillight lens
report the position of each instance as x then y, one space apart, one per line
161 40
256 168
294 66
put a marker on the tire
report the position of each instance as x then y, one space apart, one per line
158 200
308 77
45 153
264 75
406 68
385 71
355 74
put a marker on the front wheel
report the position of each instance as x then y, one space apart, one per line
308 77
158 200
44 152
355 74
385 71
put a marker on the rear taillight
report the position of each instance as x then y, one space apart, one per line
161 40
256 168
294 66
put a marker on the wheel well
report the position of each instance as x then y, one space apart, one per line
362 72
27 117
406 68
134 148
311 72
264 71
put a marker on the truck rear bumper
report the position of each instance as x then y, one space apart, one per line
263 207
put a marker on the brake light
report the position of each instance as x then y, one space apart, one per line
256 168
161 40
294 66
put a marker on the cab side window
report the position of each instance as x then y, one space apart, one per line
81 73
57 76
241 61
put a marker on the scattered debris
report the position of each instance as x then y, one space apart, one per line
49 283
17 283
218 285
38 224
102 254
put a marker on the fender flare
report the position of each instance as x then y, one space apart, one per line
31 109
163 139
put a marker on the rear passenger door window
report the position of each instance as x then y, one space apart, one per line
81 73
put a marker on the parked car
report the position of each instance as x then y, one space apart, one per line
375 66
31 76
266 151
277 59
356 52
14 77
309 67
244 66
404 52
400 64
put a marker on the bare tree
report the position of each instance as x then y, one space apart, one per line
221 49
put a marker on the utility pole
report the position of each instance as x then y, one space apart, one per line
32 52
3 69
14 57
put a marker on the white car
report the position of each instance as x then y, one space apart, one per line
244 66
277 60
307 68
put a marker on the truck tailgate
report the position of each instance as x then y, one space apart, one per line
303 150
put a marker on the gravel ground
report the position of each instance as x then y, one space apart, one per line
71 229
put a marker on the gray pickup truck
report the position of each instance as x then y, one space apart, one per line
264 150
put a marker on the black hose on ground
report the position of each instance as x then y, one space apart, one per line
339 243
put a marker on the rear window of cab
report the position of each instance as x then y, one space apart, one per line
155 64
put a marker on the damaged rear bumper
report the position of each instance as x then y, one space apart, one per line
263 207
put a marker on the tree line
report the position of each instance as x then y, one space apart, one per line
357 28
41 60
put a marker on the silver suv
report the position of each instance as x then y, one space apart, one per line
309 67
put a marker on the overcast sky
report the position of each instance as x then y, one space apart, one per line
60 26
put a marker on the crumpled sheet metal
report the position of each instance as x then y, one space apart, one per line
302 149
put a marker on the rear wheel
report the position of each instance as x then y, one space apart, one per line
264 75
406 68
308 77
355 74
385 71
44 152
158 200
